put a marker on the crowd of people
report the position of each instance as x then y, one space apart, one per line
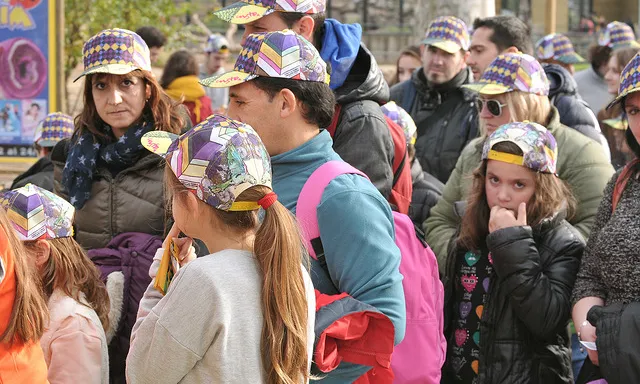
298 219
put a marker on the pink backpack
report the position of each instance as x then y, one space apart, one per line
420 356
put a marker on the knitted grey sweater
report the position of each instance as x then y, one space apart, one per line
611 262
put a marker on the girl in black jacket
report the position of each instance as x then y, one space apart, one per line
515 260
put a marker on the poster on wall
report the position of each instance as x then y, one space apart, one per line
27 72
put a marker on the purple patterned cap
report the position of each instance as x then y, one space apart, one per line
447 33
629 80
558 47
401 117
539 148
618 35
37 213
282 54
115 51
217 160
246 11
54 128
512 72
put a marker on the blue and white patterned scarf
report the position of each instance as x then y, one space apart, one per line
88 151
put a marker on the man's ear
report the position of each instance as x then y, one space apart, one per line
465 57
43 252
511 49
304 27
288 103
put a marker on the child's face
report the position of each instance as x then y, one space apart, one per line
507 185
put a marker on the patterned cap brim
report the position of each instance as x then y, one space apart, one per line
626 44
158 142
445 45
242 13
228 79
488 89
47 142
113 69
622 96
573 58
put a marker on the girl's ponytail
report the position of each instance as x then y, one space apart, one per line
278 248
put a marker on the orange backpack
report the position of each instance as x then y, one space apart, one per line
402 187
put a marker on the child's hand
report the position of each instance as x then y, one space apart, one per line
588 333
504 218
187 253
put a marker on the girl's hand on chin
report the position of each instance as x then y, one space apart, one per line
186 252
504 218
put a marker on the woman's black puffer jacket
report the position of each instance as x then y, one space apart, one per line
523 334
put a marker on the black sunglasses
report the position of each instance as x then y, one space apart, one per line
493 106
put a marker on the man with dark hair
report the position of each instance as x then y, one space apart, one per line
497 35
279 86
155 41
361 137
442 109
493 36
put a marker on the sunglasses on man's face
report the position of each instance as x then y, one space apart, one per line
493 106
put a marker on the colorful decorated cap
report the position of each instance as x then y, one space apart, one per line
115 51
512 72
403 119
217 43
246 11
539 148
53 129
217 160
282 54
37 213
629 80
618 35
558 47
447 33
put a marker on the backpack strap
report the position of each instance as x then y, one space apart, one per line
408 96
309 199
621 183
400 148
402 187
334 122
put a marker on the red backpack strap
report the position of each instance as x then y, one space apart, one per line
311 195
402 187
334 122
621 183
